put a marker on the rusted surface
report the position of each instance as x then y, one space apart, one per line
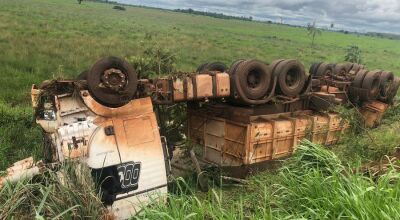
373 112
133 108
228 142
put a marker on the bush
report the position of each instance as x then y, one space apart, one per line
119 7
353 54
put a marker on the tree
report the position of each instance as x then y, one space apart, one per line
79 1
313 31
353 54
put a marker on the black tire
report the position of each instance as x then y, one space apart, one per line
324 69
357 82
341 69
234 65
254 78
393 90
201 67
386 82
314 67
83 75
372 83
215 66
291 77
107 96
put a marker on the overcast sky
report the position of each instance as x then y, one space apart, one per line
353 15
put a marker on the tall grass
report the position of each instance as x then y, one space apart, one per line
67 194
313 184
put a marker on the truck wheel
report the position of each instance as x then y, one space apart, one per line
253 77
357 82
371 83
291 77
201 67
314 67
386 82
356 67
324 69
341 69
112 81
393 90
215 66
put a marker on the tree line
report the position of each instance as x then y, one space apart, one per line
214 14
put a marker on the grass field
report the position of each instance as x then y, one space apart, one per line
42 39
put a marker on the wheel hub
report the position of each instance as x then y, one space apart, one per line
114 79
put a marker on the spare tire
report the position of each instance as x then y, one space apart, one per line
393 90
386 82
372 83
112 81
291 77
253 77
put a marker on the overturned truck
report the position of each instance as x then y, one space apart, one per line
240 119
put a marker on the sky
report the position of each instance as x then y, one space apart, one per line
351 15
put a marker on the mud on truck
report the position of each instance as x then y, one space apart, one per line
240 119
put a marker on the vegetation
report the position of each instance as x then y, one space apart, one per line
42 39
313 184
214 15
313 31
353 54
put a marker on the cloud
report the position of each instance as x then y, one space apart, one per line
353 15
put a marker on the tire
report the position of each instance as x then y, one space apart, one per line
215 66
314 67
393 90
372 83
201 68
254 78
357 82
291 77
324 69
106 95
83 75
234 65
341 69
356 67
386 82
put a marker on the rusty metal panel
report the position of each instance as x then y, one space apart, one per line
372 113
222 85
335 128
283 138
134 108
261 136
319 128
141 127
236 142
214 139
204 86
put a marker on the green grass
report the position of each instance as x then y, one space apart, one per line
313 184
41 39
